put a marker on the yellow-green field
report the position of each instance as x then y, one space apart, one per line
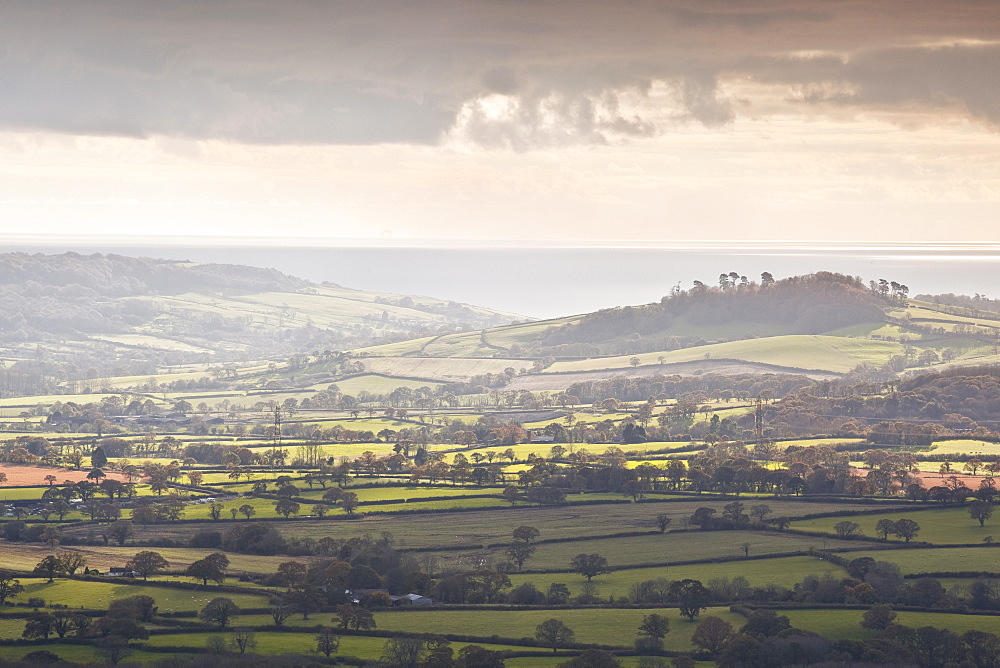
937 525
80 594
606 626
785 571
814 352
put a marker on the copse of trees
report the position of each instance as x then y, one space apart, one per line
809 304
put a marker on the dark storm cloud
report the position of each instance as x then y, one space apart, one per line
369 72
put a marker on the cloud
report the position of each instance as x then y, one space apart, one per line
423 72
952 80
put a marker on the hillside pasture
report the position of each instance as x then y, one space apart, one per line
24 557
937 525
965 446
304 643
148 341
654 548
466 344
609 627
407 492
76 654
985 559
847 623
806 352
784 571
377 384
473 529
451 369
81 594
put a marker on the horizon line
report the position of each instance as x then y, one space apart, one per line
304 242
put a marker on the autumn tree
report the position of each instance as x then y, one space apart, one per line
981 510
147 563
846 528
519 552
72 562
712 634
590 565
884 527
212 568
655 627
49 567
219 611
327 642
349 502
526 533
121 531
9 587
286 507
691 596
906 529
554 633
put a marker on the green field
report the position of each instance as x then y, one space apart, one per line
785 571
296 643
473 529
965 447
409 492
610 627
79 594
24 556
827 353
80 654
847 623
939 526
671 547
939 560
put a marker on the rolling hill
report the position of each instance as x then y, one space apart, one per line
85 317
85 323
821 326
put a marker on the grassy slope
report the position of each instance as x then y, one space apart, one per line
78 594
326 307
939 560
660 548
606 627
828 353
439 369
785 571
937 525
378 384
847 623
480 343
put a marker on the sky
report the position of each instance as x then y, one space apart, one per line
479 123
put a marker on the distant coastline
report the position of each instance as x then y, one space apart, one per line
543 281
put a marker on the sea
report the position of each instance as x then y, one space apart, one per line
551 281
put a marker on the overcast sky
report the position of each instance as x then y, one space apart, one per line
450 122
